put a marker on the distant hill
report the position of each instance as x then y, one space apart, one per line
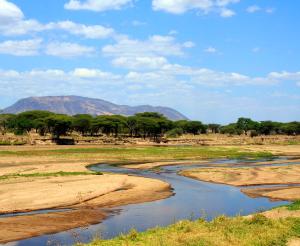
82 105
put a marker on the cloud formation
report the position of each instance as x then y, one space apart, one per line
97 5
68 50
14 23
21 47
205 6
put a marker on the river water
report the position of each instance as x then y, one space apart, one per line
192 199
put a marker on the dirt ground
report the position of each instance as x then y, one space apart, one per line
281 193
247 176
264 175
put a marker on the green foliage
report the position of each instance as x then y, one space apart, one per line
174 133
294 206
58 125
82 123
192 127
146 125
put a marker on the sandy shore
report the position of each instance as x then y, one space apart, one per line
21 227
247 176
281 193
253 176
85 193
29 194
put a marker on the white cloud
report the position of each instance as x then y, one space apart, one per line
144 54
9 12
91 31
96 5
154 46
21 47
253 9
68 50
13 23
140 63
138 23
173 85
205 6
210 50
226 13
86 73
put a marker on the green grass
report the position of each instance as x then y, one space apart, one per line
56 174
222 231
294 206
7 143
142 153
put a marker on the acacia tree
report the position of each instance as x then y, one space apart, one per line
82 123
5 120
58 125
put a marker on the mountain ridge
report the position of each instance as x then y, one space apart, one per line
72 105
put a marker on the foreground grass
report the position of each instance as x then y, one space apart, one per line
138 153
56 174
293 206
237 231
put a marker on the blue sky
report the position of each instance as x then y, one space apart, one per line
213 60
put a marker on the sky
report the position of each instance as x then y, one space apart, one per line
213 60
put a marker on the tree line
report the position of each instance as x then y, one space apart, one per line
143 125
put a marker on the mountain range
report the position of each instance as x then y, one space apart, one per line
72 105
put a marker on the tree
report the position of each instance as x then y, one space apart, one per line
26 121
269 127
5 120
195 127
131 123
82 123
58 125
214 128
246 124
230 129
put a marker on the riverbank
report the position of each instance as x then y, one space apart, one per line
285 177
258 229
85 193
28 177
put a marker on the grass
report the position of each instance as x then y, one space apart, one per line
140 153
7 143
56 174
222 231
294 206
237 231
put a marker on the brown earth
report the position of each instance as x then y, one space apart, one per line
21 227
85 193
247 176
276 193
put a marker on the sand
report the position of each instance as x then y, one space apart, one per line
277 193
247 176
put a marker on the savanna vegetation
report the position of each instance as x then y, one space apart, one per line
236 231
142 125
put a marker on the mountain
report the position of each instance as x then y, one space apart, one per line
82 105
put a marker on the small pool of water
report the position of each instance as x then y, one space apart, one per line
192 199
